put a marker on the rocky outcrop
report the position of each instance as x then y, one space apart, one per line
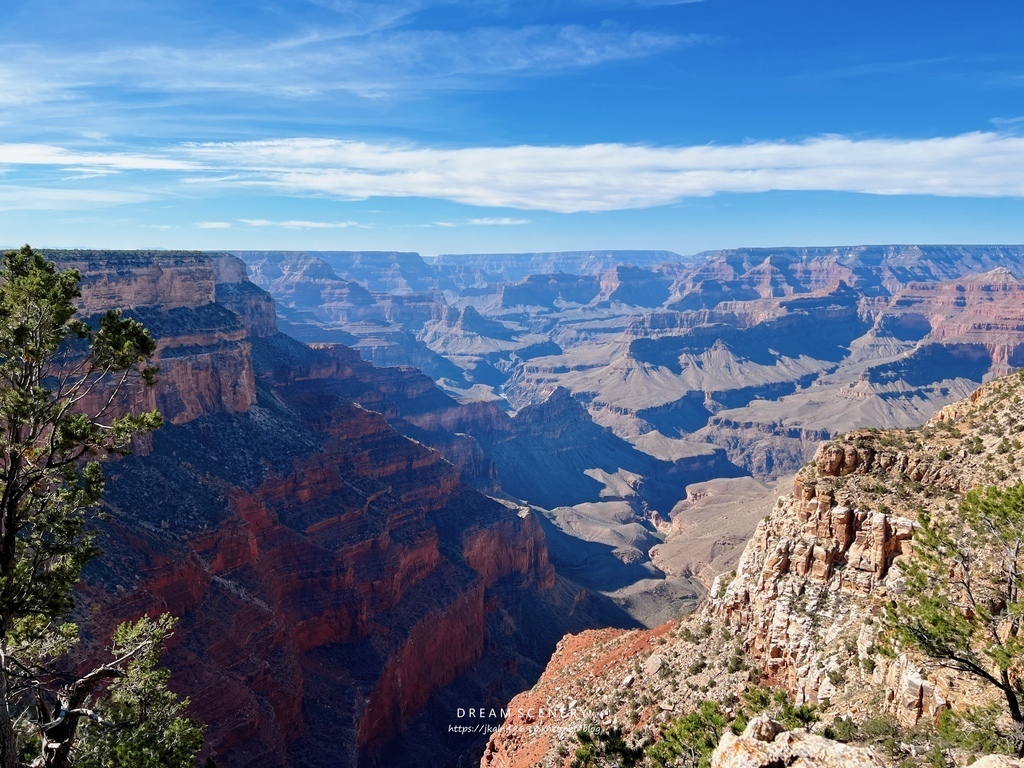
803 607
545 290
982 311
766 744
203 346
233 290
132 279
635 286
822 561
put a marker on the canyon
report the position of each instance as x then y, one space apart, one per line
802 611
673 383
339 587
389 486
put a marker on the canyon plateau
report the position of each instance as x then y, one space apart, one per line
628 396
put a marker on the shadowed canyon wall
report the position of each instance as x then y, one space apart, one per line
331 576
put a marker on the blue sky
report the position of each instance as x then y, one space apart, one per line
495 125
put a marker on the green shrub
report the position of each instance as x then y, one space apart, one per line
607 748
842 729
736 663
689 740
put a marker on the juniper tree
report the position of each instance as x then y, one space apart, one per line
964 602
65 403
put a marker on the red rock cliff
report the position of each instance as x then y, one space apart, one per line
330 575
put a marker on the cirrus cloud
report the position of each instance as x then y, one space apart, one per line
561 179
301 224
600 177
503 221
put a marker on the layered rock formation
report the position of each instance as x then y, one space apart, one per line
760 353
851 515
803 606
203 331
380 271
317 305
604 498
332 577
492 268
765 743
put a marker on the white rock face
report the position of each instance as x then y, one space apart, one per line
653 665
764 744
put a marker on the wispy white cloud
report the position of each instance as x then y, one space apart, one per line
79 174
213 224
22 85
300 224
356 18
42 198
565 179
370 57
1007 123
599 177
504 221
91 162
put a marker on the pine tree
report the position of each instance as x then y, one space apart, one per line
65 403
964 602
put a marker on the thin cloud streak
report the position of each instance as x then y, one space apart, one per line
32 198
566 179
90 162
500 222
300 224
601 177
366 63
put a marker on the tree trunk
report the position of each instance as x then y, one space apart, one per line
9 752
61 738
1013 703
1018 737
